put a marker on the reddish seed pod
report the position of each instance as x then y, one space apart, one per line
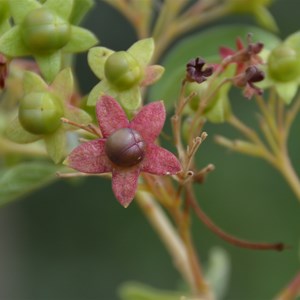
125 147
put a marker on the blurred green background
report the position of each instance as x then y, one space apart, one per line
72 240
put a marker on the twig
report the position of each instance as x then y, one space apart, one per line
224 235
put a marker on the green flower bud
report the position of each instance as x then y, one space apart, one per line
40 113
293 41
284 64
199 90
122 70
44 32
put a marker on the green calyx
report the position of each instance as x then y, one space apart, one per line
284 64
43 31
122 70
40 113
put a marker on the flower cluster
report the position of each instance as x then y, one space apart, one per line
247 60
123 73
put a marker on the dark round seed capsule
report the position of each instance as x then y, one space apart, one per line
125 147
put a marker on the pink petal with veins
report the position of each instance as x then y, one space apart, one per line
239 44
150 120
152 74
90 157
110 115
225 51
124 184
160 161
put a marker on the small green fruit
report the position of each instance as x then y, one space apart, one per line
44 32
198 90
122 70
293 41
284 64
40 113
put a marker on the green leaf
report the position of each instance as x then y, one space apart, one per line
61 8
11 43
56 145
96 60
20 8
80 8
50 65
24 178
205 44
16 133
63 84
32 82
99 90
81 40
139 291
142 51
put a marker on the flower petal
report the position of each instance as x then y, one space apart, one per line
152 74
110 115
49 64
150 120
225 51
160 161
130 99
32 82
62 8
89 157
124 184
142 51
97 57
100 89
63 84
81 40
56 145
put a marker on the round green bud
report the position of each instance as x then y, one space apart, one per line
125 147
122 70
43 31
293 41
198 90
284 64
40 113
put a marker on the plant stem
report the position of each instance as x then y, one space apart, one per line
168 235
178 26
180 246
292 290
286 168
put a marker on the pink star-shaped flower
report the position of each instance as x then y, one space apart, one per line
126 149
